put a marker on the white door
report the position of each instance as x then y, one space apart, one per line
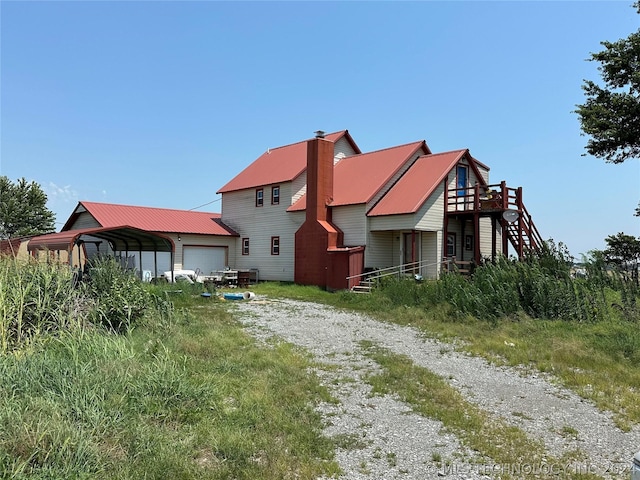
206 259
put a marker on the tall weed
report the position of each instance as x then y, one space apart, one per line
541 286
35 298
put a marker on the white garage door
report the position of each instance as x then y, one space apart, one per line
207 259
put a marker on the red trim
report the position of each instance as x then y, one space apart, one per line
259 197
245 241
275 245
275 200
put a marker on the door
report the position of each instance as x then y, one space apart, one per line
410 251
205 259
462 178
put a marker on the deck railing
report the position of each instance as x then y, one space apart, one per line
495 199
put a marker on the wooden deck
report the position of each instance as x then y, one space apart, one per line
504 206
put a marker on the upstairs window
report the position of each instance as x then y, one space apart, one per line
259 197
275 195
245 246
275 245
462 179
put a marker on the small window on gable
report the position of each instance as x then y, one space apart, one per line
275 245
462 174
275 195
259 197
451 245
245 246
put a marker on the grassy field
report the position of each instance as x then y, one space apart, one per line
185 395
119 380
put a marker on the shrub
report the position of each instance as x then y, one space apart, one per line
120 298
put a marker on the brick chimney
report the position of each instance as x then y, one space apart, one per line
317 234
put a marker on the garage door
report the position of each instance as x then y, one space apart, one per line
207 259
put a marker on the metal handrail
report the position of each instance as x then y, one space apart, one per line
395 270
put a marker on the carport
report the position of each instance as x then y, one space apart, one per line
123 239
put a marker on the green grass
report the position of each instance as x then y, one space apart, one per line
195 399
432 396
598 360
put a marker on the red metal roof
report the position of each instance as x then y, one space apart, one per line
276 165
417 184
122 237
150 219
358 178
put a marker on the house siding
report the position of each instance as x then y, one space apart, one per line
430 254
379 250
259 224
298 187
85 220
486 238
342 149
431 213
351 219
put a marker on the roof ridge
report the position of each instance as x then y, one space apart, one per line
144 206
301 141
389 148
446 153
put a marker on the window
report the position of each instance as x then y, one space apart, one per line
245 246
461 181
275 245
259 197
451 245
275 195
468 242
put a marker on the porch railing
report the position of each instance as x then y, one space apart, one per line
412 268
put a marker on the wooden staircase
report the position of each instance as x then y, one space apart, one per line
522 233
504 206
365 286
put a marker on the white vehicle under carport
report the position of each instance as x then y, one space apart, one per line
188 276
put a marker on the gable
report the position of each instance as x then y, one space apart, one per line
373 171
282 164
417 184
108 215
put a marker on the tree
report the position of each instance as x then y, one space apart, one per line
611 115
23 210
624 252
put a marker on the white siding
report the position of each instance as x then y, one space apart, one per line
379 250
259 225
85 220
484 173
392 222
430 216
342 148
431 254
486 238
351 219
298 187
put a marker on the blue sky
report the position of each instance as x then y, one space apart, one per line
161 103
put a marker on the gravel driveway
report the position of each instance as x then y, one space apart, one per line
379 437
